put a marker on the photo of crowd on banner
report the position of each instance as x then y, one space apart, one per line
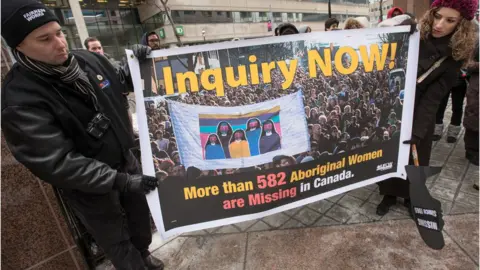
343 112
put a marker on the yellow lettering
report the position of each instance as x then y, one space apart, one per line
266 71
190 193
294 177
325 65
192 78
217 83
374 57
288 73
242 76
167 75
253 70
339 63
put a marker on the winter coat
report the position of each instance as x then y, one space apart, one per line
470 120
431 91
428 96
45 122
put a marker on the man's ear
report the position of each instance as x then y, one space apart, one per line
20 47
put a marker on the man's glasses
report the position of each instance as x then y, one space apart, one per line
154 40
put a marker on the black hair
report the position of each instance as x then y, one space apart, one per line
152 33
88 40
286 29
331 21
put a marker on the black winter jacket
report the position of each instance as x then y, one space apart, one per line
44 122
436 86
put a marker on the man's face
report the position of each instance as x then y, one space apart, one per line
46 44
153 42
332 27
95 46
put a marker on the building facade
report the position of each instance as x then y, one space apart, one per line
118 24
376 12
197 21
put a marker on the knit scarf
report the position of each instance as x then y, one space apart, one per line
70 74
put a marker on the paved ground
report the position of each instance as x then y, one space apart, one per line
343 232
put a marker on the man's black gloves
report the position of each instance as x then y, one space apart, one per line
141 51
414 140
135 183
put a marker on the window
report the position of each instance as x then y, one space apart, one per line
314 17
191 16
246 16
277 17
262 17
207 14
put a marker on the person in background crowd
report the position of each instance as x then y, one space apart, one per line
446 30
304 29
152 40
470 121
92 44
363 21
458 95
69 128
331 24
393 12
352 23
161 141
285 29
283 161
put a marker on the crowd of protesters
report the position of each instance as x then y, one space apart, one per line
342 112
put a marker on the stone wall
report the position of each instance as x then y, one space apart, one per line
34 232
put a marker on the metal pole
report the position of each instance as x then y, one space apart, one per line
79 20
329 9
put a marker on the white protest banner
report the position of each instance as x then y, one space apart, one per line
272 124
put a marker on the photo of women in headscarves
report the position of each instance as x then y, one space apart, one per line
253 132
224 132
213 148
269 140
238 145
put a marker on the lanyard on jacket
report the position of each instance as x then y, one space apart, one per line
431 69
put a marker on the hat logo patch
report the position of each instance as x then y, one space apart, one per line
31 15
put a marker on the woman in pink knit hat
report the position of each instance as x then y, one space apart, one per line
448 38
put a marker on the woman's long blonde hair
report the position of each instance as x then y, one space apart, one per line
352 23
464 38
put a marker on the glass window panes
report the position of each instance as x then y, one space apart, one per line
277 17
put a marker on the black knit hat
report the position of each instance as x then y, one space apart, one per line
21 17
